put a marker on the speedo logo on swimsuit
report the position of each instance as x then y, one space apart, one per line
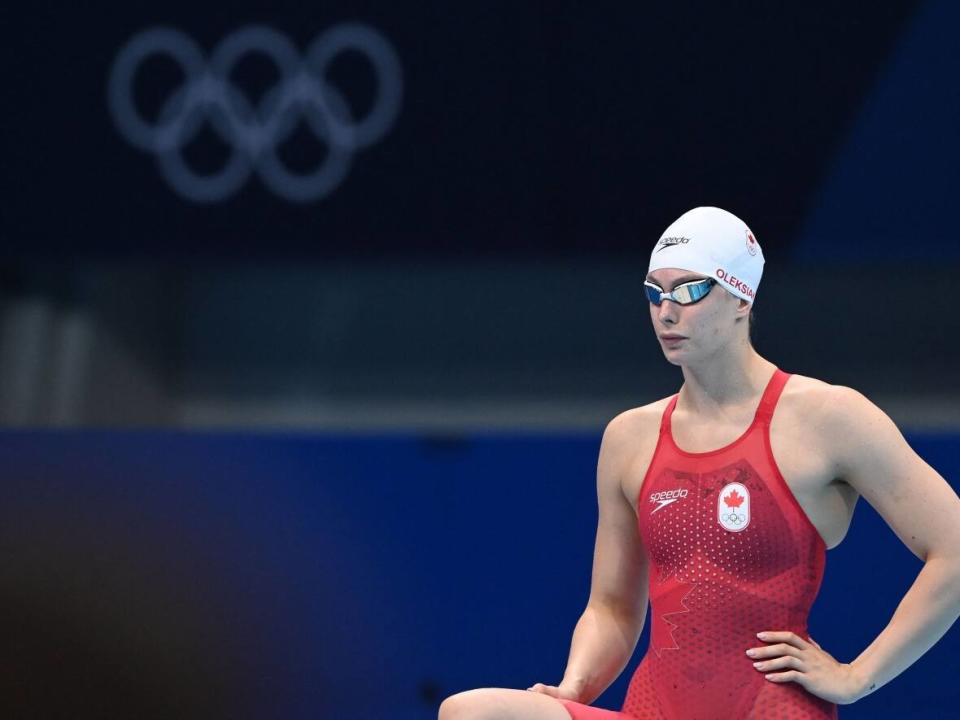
671 241
666 497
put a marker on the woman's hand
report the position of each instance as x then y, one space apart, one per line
793 659
563 691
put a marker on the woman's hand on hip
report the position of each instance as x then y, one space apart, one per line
790 658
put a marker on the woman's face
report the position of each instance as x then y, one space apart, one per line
706 325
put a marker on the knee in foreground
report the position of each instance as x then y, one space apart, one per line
456 707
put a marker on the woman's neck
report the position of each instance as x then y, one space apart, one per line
724 383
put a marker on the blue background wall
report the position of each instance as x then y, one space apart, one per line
249 576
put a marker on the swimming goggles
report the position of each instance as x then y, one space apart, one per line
684 294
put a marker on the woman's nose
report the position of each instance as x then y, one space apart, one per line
667 311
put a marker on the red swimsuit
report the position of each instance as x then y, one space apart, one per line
731 553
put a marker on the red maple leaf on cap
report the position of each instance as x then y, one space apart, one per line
734 500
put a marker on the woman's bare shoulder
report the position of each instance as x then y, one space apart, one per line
808 395
639 422
632 439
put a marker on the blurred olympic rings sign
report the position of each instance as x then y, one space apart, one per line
254 133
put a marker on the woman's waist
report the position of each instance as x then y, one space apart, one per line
784 598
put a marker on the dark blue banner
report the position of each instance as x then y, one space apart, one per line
347 129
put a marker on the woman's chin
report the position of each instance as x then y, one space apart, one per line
673 357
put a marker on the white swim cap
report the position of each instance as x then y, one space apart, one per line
713 242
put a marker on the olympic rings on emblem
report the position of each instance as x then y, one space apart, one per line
254 133
733 518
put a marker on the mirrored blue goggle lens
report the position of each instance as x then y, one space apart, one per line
684 294
687 294
653 294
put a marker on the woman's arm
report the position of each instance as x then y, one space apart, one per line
871 455
608 630
923 510
603 642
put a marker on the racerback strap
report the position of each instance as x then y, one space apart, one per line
770 396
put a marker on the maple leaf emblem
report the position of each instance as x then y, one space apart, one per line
734 499
669 602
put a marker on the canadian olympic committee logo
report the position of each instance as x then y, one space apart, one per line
254 133
733 507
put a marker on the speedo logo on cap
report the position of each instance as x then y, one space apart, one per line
671 241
